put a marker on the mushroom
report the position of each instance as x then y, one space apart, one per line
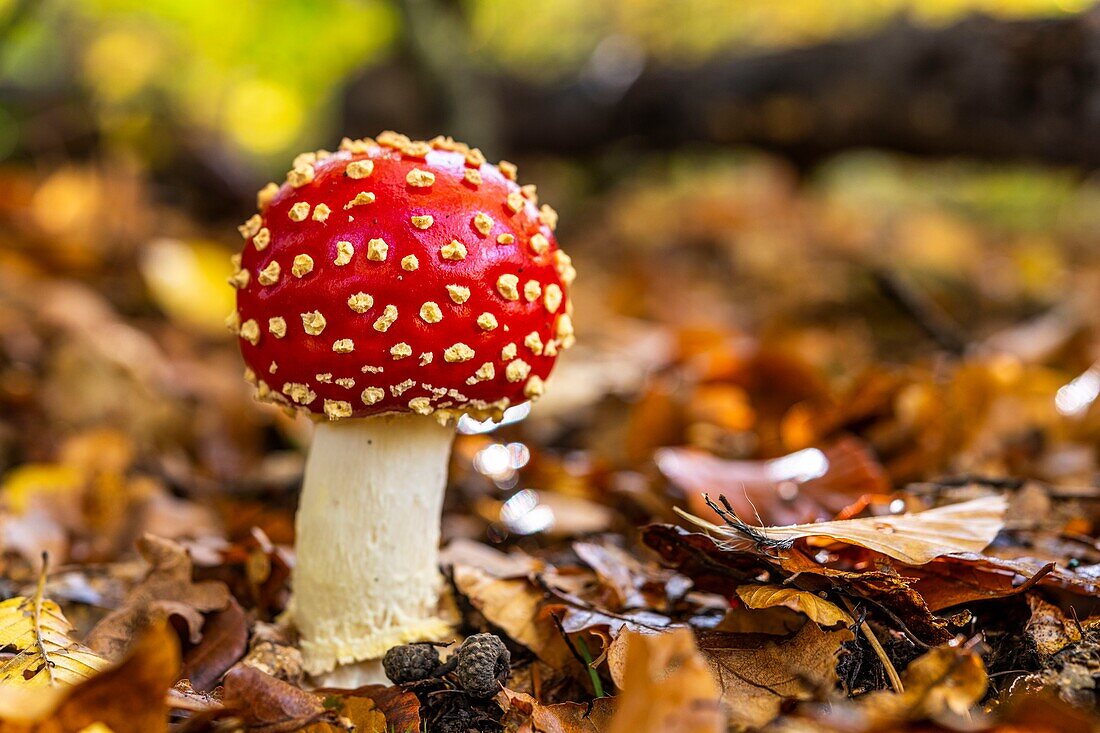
386 290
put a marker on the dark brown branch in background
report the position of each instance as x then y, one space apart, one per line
925 312
1004 90
1027 89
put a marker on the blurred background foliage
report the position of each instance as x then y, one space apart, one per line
264 78
850 182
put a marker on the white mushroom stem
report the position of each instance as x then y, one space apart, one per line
366 576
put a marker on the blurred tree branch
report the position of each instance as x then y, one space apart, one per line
983 87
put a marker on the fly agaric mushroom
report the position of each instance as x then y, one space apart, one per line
387 289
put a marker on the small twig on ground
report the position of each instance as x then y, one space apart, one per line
38 594
891 673
925 312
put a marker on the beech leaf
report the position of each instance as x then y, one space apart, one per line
916 538
45 654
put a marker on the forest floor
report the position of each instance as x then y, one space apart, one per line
917 372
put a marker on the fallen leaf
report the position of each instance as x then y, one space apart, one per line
40 635
525 714
515 607
1049 629
129 698
814 606
268 705
914 539
717 568
167 590
373 708
807 484
666 685
359 712
224 641
757 673
945 679
618 571
966 577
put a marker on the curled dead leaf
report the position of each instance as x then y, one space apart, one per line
525 714
129 698
167 590
758 673
916 538
812 605
666 685
944 680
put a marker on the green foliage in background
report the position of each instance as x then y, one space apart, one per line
261 76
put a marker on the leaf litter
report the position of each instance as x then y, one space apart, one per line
900 537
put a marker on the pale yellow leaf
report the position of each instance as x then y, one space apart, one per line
814 606
187 280
914 539
45 656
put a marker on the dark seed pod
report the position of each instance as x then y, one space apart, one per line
410 662
483 664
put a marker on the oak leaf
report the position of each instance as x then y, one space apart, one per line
525 714
758 673
515 606
945 679
167 590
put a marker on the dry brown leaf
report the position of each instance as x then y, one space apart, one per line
758 673
224 641
946 679
666 685
373 707
166 591
268 705
359 711
814 606
525 714
915 538
716 568
515 607
129 698
1049 629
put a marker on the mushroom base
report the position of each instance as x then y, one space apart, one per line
366 577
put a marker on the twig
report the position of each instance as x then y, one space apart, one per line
891 673
924 311
38 640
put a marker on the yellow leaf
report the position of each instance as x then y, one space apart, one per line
45 656
944 679
814 606
23 484
915 539
187 281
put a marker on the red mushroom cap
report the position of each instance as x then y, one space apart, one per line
401 276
